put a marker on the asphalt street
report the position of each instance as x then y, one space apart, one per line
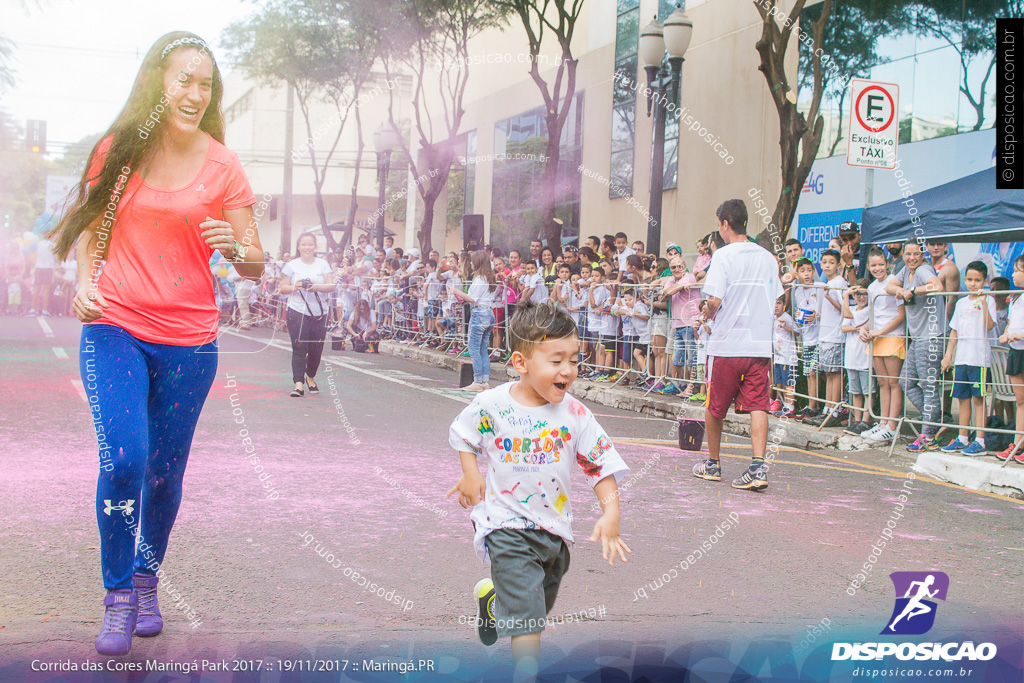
360 472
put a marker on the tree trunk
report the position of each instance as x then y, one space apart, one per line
552 230
353 205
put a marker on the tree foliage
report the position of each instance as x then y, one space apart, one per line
325 49
430 38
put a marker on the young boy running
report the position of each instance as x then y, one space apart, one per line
531 432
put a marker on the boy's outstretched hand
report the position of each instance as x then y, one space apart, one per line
471 487
607 529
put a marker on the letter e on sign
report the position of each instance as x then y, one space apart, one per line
874 124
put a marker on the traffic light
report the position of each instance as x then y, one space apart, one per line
35 136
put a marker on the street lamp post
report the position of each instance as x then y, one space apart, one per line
385 139
655 40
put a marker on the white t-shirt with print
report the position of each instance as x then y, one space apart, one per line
785 341
857 354
808 299
830 330
640 327
531 452
540 289
298 270
746 278
973 341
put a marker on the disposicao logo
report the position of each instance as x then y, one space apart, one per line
914 614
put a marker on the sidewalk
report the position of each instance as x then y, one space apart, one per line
656 405
979 474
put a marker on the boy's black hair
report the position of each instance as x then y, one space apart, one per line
432 263
831 252
621 235
533 323
978 266
803 261
562 265
1019 261
792 240
1004 283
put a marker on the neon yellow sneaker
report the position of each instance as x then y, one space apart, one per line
486 630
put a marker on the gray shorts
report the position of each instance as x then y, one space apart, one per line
859 382
831 356
527 566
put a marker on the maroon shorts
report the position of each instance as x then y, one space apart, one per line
744 380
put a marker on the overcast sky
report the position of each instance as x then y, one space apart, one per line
76 59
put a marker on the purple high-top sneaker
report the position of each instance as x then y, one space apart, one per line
150 620
122 610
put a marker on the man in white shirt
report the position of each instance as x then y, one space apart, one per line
742 286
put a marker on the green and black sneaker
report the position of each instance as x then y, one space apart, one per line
754 479
486 630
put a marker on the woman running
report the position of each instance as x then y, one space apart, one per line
160 193
308 282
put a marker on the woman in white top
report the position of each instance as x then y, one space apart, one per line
482 296
307 281
888 346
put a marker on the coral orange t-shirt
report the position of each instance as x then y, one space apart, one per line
157 278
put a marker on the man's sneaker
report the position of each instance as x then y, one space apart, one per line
869 433
657 387
788 413
844 415
880 434
670 389
754 479
804 412
857 428
150 621
810 414
975 449
817 420
774 405
955 446
709 469
699 398
922 444
486 630
122 609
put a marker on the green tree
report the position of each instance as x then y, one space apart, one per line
433 36
799 133
324 49
559 17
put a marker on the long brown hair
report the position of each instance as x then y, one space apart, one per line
481 263
127 147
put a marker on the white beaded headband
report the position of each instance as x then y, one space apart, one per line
184 41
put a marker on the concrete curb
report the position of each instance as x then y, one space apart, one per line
980 474
794 434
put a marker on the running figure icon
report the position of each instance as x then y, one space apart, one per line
916 607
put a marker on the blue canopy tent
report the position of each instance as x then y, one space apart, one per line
970 209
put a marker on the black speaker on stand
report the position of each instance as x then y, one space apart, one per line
473 231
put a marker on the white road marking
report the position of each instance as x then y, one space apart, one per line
446 393
80 388
59 352
46 326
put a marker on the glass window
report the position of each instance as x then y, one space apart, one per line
625 85
671 167
623 127
517 192
627 34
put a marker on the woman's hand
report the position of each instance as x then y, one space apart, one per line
88 303
220 236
